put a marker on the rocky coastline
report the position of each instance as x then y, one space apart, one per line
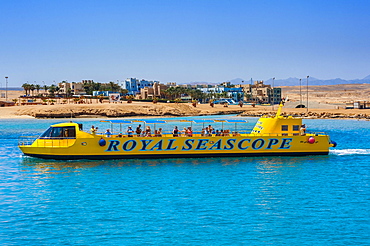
182 109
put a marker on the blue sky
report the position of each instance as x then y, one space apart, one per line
183 41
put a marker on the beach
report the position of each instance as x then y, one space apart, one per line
324 102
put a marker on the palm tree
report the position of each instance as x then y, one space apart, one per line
69 92
170 92
45 87
52 89
32 88
124 91
57 89
26 87
38 87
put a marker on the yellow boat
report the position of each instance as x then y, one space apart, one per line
277 135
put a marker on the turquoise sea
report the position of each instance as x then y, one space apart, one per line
312 200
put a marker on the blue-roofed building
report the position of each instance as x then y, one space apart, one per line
134 85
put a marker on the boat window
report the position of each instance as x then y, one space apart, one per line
60 132
46 133
295 127
284 128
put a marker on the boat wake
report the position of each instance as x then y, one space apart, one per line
350 152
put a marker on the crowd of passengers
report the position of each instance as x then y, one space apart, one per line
147 132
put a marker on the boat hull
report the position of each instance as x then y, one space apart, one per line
98 148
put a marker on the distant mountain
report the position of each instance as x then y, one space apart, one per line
295 81
203 83
315 81
236 81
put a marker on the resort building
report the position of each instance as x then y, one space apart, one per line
151 92
235 93
75 88
260 93
133 85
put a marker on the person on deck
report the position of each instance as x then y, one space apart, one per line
175 132
189 132
93 130
148 132
130 132
184 132
303 130
138 130
159 133
108 134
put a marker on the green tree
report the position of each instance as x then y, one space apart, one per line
91 86
114 87
26 88
69 92
32 88
124 91
46 88
38 87
52 90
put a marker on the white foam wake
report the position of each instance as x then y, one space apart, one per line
350 151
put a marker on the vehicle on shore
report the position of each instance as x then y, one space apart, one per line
271 136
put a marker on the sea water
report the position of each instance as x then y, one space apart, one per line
311 200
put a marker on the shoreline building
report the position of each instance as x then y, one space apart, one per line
152 92
133 85
261 93
226 90
144 89
75 88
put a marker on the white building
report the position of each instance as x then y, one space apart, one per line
134 85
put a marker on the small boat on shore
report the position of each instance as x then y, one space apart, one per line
271 136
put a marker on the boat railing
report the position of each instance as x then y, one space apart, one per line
26 140
36 141
288 134
180 134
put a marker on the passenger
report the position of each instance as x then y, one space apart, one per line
303 130
184 132
222 132
175 132
189 132
148 132
218 133
108 134
120 135
207 132
159 133
93 130
138 130
210 129
130 132
202 133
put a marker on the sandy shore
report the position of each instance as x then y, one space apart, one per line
167 109
324 102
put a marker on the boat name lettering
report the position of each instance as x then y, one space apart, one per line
198 144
